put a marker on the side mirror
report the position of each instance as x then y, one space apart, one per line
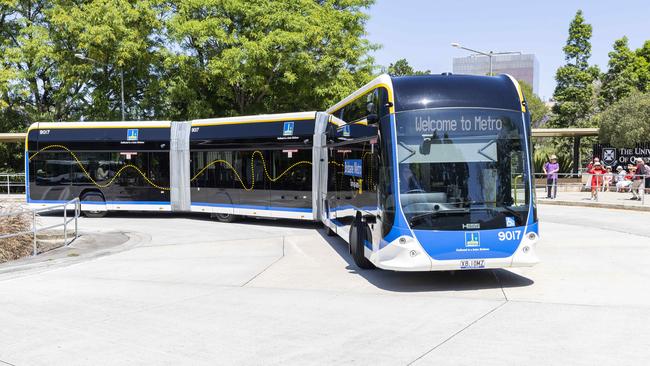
372 119
369 219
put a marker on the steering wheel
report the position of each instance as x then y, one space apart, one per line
417 190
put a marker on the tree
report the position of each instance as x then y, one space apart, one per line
644 52
401 67
121 36
574 91
626 122
246 57
538 110
627 71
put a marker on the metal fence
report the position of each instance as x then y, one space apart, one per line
34 213
12 183
637 185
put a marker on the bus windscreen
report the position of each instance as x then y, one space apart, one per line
462 168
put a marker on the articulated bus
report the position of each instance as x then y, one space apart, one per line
416 173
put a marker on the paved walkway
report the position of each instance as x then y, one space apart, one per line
189 290
614 200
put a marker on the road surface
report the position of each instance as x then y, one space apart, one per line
188 290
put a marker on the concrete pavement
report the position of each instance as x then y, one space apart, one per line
195 291
613 200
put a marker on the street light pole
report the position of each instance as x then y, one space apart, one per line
86 58
489 54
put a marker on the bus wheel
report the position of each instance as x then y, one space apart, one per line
93 197
359 233
225 217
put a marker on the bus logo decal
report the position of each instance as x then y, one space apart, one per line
132 134
472 239
288 129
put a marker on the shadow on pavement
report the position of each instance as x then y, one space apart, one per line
466 280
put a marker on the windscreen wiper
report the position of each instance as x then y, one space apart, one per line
512 211
421 216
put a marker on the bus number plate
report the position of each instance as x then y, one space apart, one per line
472 263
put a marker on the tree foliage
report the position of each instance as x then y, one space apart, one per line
627 71
260 56
402 67
574 93
180 59
626 122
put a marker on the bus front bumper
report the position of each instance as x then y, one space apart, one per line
406 254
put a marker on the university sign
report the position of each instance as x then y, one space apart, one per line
613 156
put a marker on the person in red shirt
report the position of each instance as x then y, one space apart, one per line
596 172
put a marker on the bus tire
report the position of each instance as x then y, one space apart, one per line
359 232
93 197
225 217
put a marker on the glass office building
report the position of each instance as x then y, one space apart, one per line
521 66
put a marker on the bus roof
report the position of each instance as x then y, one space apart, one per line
456 91
260 118
102 124
443 91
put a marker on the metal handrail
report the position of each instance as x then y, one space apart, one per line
8 180
600 186
35 230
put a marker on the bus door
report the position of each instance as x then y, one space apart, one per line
255 196
290 170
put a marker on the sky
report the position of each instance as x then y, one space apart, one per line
421 31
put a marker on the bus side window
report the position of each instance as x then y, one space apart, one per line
373 102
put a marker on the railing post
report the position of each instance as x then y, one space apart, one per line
8 189
65 224
34 231
77 211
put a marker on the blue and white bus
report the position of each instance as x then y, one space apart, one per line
415 173
431 173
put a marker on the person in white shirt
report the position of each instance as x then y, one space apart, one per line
621 182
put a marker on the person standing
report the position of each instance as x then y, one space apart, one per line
608 179
638 182
596 172
590 166
551 168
